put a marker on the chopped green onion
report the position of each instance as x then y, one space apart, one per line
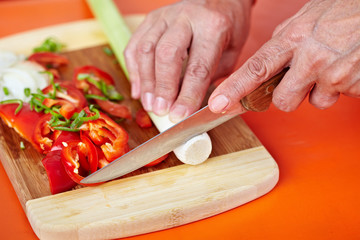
112 94
83 76
6 91
49 45
93 96
27 92
67 129
10 101
78 120
22 146
96 116
108 51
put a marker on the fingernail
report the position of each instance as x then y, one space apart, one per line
178 113
219 103
147 101
161 106
135 90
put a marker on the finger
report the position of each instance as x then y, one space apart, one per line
227 63
205 53
146 62
171 51
270 59
130 56
343 75
321 98
294 87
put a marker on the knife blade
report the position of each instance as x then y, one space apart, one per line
197 123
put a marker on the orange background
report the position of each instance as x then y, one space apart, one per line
318 151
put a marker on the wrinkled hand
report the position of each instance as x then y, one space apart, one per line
208 33
321 44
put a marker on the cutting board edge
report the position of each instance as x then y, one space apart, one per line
160 219
74 35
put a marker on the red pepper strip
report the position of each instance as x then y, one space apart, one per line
67 109
68 97
94 71
157 161
59 180
143 119
68 92
108 106
48 59
43 135
107 134
113 108
71 159
20 121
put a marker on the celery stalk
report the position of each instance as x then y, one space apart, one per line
113 26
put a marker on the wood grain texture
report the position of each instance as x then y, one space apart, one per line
155 201
184 193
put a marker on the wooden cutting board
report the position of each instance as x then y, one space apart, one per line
171 194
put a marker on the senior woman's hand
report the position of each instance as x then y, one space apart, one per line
321 44
205 36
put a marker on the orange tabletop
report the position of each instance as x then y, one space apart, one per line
318 151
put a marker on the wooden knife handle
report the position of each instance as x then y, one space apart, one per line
259 100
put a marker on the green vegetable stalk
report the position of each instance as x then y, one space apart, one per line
114 27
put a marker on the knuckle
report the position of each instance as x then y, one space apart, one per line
166 89
296 32
257 68
145 47
198 71
220 22
192 101
281 102
167 52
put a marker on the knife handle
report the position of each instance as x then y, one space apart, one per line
260 99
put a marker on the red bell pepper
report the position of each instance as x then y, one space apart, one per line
79 158
100 80
67 96
20 121
157 161
59 180
106 134
142 119
44 135
48 60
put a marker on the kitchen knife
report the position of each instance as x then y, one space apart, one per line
197 123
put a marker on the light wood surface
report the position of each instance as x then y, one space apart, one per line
157 200
179 192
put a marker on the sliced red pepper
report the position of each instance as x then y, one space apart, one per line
44 135
59 180
107 134
48 59
113 108
68 97
74 154
67 109
157 161
20 121
143 119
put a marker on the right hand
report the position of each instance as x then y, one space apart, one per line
210 34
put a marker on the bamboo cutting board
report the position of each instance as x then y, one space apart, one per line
150 199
